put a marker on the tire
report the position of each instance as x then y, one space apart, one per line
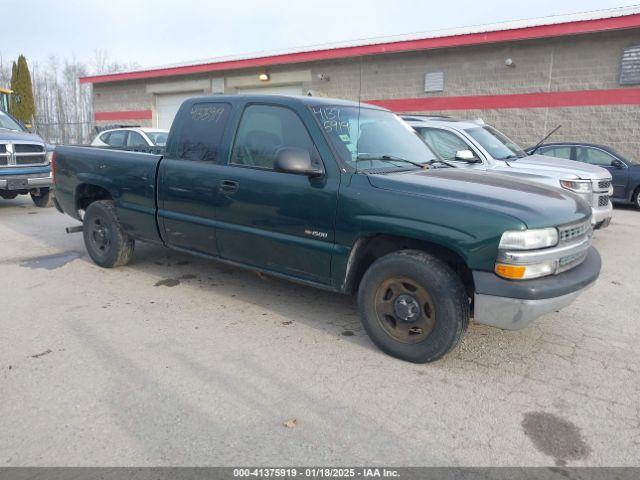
636 198
420 330
44 199
108 245
8 195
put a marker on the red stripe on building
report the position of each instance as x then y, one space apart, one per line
581 98
526 33
124 115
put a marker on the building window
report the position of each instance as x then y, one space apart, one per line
630 66
434 82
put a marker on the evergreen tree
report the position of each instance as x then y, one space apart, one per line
23 106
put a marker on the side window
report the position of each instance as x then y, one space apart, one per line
263 130
202 131
446 144
117 138
136 140
558 152
593 156
105 137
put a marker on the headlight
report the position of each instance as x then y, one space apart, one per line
529 239
523 272
48 156
578 186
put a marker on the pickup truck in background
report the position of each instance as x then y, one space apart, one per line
343 197
24 163
474 145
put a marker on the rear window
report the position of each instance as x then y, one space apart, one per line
202 130
117 138
159 139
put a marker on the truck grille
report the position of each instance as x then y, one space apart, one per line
29 160
569 233
603 200
604 185
22 153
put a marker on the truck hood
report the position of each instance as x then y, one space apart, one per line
534 204
559 168
15 136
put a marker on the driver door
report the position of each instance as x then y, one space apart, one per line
277 221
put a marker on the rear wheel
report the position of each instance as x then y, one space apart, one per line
108 245
8 195
43 199
413 306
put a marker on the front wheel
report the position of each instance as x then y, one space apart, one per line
413 306
108 245
636 199
43 199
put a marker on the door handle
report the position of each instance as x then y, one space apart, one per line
229 186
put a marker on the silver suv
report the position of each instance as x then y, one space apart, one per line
469 144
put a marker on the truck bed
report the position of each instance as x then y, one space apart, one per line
128 178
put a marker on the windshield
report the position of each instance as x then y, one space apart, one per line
369 135
158 138
495 143
9 123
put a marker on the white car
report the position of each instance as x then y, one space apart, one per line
469 144
131 138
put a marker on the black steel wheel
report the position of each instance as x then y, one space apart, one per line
108 245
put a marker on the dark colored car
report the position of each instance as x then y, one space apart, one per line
625 172
339 196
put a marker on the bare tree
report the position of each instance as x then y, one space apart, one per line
63 104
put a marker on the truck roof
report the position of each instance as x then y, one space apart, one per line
285 99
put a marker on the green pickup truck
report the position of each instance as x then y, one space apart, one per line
344 197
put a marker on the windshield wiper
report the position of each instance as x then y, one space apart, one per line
510 157
443 162
389 158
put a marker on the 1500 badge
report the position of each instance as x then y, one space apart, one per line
316 233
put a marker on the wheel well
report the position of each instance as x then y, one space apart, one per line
369 249
87 193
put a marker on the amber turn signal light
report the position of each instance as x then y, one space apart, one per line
515 272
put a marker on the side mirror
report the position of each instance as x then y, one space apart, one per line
617 164
466 156
297 161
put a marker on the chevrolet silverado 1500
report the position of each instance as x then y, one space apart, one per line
344 197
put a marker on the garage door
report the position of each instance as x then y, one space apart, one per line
282 90
167 106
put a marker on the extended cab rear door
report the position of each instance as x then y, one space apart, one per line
278 221
189 176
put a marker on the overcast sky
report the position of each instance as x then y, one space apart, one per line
157 32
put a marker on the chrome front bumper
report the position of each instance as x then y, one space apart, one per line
512 305
516 313
32 181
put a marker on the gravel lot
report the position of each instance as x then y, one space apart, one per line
174 360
